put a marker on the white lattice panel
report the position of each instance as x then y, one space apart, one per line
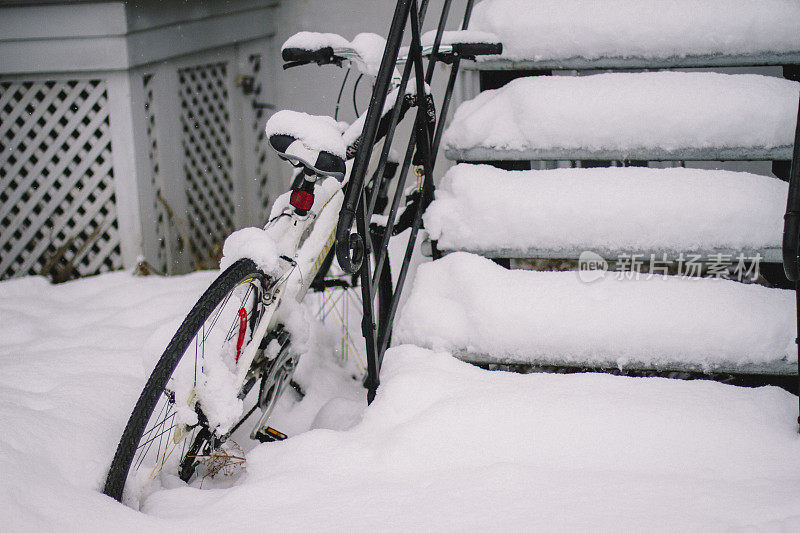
56 179
207 160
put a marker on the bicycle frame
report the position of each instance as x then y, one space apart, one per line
304 241
353 254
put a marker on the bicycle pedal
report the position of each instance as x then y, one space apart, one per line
269 435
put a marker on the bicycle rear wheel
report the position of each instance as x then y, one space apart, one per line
188 407
337 298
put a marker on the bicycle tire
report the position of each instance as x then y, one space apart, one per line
218 293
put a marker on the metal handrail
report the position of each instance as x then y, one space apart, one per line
353 249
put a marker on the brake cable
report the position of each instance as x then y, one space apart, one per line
355 88
339 98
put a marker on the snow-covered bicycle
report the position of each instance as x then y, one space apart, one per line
233 355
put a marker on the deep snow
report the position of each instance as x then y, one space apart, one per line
544 29
482 208
467 303
617 111
445 445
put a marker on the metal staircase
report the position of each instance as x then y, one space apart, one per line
544 202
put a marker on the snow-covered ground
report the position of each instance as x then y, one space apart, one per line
445 446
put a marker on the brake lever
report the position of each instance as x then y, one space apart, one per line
333 61
293 64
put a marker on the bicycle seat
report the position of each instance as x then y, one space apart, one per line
310 140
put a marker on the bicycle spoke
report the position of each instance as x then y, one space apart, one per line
346 337
149 443
162 459
355 297
160 433
161 423
234 324
218 311
142 453
202 350
331 304
165 405
185 440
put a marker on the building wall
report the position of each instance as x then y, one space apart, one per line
126 133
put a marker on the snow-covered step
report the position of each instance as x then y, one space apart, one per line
625 116
576 34
485 313
611 211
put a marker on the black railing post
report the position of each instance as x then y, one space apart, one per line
791 238
797 343
439 128
791 220
344 246
353 251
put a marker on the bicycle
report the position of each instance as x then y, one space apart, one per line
234 345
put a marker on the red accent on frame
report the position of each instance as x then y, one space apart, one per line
242 331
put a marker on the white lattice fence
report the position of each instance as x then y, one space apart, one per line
207 158
57 206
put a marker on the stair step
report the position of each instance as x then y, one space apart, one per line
628 116
482 312
574 34
637 62
560 213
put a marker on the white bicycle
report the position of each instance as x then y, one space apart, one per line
232 356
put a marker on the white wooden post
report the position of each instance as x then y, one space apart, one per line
133 193
239 110
249 187
171 177
279 171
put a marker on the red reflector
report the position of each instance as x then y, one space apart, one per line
301 199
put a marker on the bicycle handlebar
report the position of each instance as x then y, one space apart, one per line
330 55
296 57
471 50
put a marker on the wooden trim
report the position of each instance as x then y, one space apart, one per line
688 153
776 367
63 55
162 43
767 255
128 50
60 21
642 62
